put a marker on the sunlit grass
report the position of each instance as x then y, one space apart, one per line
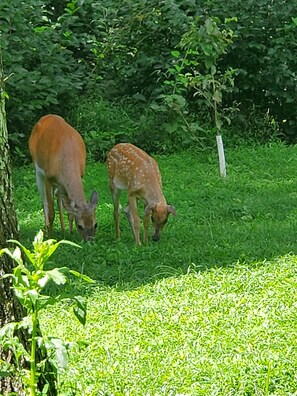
218 332
211 308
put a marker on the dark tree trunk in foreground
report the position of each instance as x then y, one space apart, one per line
10 308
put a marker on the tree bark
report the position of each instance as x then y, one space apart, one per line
10 308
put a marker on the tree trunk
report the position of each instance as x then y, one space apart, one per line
10 308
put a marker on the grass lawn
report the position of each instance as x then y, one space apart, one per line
208 310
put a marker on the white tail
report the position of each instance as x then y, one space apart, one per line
59 156
130 168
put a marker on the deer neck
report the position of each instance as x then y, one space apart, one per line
154 194
73 187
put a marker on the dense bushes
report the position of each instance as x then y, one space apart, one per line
44 71
121 52
103 124
264 54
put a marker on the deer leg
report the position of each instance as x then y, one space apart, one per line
146 222
42 188
65 203
131 213
50 206
116 193
60 207
70 221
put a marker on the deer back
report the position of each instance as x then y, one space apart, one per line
58 150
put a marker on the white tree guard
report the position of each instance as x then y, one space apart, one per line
221 155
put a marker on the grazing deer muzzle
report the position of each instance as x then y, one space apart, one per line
159 217
84 217
59 155
132 169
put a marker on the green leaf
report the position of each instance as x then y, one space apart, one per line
169 82
207 49
218 124
44 301
217 96
15 255
60 355
80 309
82 276
45 390
27 252
33 295
4 374
175 54
21 278
210 25
65 242
20 295
6 276
232 19
38 238
57 276
26 323
8 329
43 281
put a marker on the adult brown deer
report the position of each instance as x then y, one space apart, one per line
132 169
59 156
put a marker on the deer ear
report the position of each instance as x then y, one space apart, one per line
149 207
171 209
94 198
69 206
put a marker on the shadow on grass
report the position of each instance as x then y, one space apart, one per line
250 216
207 244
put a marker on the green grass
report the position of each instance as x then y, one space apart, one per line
208 310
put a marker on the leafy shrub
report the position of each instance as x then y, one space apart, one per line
139 37
253 127
56 50
103 124
43 70
28 282
264 55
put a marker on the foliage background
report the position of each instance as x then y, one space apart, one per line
87 60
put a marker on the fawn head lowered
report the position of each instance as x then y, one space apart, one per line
159 216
